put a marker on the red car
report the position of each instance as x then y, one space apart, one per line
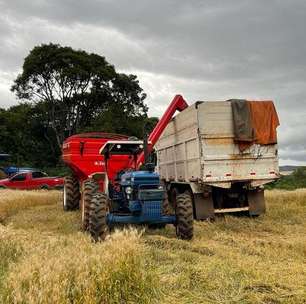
32 180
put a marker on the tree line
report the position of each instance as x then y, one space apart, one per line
63 91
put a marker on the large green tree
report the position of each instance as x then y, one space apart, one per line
24 136
73 88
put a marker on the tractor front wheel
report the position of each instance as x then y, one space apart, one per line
71 194
98 228
90 187
184 216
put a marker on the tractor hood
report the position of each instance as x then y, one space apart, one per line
136 178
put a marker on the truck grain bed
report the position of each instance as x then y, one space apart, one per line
198 146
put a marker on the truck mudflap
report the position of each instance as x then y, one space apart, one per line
203 206
256 202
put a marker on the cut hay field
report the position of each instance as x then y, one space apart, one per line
44 258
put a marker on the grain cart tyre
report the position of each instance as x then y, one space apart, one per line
90 187
184 216
71 194
98 228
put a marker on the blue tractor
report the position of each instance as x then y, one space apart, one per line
135 197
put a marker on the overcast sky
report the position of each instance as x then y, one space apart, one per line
205 50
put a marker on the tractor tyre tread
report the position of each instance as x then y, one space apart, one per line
184 214
98 228
90 188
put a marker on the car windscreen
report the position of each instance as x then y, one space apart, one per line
19 178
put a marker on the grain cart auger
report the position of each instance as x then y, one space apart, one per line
109 187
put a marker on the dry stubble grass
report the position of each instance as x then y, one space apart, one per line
12 202
233 260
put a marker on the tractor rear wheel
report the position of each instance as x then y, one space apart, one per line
90 187
184 216
71 195
98 228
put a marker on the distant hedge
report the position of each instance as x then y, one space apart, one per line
291 182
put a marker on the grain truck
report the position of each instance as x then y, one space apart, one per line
220 154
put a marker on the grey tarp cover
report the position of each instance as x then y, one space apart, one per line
243 130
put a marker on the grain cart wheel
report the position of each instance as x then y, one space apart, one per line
98 228
90 187
184 216
71 194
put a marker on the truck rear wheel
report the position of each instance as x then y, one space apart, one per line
71 195
90 187
184 216
98 228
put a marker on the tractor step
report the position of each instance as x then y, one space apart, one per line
130 219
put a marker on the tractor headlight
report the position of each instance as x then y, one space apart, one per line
128 190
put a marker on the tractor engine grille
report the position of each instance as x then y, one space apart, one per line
152 209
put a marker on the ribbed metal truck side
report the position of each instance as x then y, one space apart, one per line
197 154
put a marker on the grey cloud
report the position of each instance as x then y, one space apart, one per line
298 155
203 49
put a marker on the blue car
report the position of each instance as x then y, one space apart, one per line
12 170
9 171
